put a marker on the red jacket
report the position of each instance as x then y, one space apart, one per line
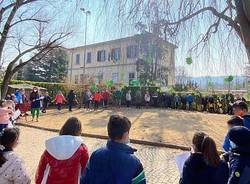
63 161
97 97
105 95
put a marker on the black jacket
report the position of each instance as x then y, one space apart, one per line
196 171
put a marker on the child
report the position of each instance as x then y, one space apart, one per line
97 99
239 161
241 109
234 121
46 101
115 163
12 169
5 119
128 98
204 165
60 99
147 99
65 156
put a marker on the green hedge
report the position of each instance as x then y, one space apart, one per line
52 88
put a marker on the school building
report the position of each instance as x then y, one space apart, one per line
117 60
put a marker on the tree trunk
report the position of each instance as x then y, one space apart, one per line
6 80
242 8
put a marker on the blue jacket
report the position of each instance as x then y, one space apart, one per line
239 161
114 164
246 120
35 100
196 171
190 99
226 144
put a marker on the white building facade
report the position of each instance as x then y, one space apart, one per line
114 60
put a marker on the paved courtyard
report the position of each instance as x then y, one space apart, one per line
157 125
159 163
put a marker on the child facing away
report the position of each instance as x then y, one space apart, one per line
65 157
8 108
12 169
204 165
239 156
234 121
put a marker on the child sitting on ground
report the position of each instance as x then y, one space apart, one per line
234 121
5 118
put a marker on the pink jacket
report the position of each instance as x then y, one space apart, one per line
13 170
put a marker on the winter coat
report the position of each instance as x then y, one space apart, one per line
63 161
147 97
113 164
226 144
71 97
97 97
196 171
246 120
13 170
239 157
106 95
60 99
35 100
128 97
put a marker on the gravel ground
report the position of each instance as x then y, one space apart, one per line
157 125
159 163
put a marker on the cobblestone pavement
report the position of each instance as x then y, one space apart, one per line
159 163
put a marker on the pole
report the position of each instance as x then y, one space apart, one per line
85 43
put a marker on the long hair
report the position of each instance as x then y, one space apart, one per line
7 139
210 152
198 140
72 127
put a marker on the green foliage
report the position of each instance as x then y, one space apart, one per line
52 68
228 79
189 60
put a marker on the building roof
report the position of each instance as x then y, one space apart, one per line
119 40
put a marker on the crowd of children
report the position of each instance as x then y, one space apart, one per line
66 156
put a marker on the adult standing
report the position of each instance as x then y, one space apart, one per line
128 98
71 98
35 103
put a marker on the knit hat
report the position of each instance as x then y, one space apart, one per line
239 135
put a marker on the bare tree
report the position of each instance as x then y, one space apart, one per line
26 33
175 17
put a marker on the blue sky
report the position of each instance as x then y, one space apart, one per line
218 58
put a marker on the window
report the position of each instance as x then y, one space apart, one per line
115 77
100 76
132 51
81 78
77 59
116 54
101 55
131 76
76 79
89 57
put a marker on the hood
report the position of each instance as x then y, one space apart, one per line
11 158
63 147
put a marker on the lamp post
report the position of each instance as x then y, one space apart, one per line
87 13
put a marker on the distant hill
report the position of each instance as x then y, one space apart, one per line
239 82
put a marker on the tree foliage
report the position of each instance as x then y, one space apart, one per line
52 68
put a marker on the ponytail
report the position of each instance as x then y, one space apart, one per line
8 137
210 152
